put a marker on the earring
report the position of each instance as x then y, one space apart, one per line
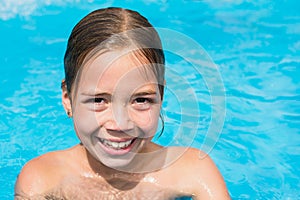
69 113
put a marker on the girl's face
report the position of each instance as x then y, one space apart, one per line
116 107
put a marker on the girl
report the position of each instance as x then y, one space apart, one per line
113 90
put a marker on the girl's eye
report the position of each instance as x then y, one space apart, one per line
100 104
98 100
142 100
142 103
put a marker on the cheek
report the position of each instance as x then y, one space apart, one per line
85 122
146 120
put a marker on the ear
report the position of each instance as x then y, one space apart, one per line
66 99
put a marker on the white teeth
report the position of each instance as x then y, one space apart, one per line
116 145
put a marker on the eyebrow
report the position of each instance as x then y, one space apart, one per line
144 93
95 94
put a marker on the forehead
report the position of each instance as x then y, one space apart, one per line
110 69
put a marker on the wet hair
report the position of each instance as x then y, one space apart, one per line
112 29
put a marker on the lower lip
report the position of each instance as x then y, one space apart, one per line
113 151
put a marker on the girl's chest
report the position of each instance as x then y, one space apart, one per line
95 189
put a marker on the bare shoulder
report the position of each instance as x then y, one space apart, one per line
38 175
199 175
42 173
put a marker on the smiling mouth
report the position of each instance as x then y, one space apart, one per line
117 145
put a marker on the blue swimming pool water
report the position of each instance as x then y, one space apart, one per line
255 46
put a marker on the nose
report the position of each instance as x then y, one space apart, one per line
119 119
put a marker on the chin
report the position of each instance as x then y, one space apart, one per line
122 162
118 164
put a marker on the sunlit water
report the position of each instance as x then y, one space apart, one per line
255 46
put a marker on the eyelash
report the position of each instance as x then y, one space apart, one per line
142 103
99 104
139 103
99 100
143 99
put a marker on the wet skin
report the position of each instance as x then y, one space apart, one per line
115 108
